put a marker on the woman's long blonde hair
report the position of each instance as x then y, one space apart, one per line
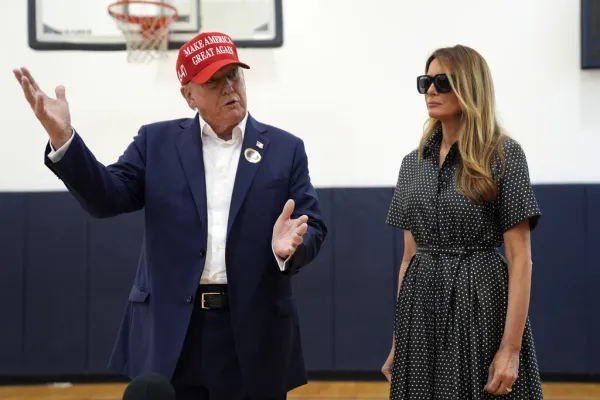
480 135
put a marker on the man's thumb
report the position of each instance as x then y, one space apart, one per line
60 93
288 209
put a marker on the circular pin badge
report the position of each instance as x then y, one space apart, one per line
252 155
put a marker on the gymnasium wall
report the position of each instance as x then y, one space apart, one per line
344 81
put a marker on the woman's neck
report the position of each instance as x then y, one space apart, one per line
450 132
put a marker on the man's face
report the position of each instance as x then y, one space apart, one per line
221 101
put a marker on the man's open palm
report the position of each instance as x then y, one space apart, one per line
52 113
288 232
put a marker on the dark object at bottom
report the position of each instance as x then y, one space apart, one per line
149 387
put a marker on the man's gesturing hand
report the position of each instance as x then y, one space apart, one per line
287 232
52 113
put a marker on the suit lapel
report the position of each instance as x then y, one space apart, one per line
247 170
190 153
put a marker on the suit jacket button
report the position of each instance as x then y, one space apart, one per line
189 299
203 252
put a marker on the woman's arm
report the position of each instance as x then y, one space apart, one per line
410 248
518 255
505 367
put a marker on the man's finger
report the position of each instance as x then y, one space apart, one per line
288 209
26 72
28 91
39 106
18 74
292 249
301 220
301 230
297 239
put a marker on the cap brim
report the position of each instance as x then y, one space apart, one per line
204 75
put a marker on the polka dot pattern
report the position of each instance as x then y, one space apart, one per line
452 305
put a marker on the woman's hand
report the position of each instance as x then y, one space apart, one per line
504 371
387 366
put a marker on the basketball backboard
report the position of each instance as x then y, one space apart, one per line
86 24
590 34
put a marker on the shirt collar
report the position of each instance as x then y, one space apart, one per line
432 146
238 131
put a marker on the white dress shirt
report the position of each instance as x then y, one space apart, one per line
220 166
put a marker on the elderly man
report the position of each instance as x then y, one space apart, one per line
230 217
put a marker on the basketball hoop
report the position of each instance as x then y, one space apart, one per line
145 26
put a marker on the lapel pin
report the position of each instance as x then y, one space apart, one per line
252 155
259 145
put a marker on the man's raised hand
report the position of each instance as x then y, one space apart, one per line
53 114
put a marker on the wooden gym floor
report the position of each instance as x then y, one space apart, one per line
321 390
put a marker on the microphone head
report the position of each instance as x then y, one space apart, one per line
150 386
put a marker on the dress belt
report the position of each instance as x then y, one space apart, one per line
455 250
449 294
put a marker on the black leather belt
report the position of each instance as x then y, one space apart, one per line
211 297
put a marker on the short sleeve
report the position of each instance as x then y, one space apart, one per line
397 213
516 199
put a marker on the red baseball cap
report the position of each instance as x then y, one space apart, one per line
204 55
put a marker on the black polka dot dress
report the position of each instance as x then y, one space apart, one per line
452 305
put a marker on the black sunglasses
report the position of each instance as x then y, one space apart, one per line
440 81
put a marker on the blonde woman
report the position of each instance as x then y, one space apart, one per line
462 329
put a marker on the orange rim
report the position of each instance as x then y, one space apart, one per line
147 24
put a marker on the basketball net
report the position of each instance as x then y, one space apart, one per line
145 26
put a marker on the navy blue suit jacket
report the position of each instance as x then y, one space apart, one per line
162 173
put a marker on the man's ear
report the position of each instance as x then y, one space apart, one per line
187 95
